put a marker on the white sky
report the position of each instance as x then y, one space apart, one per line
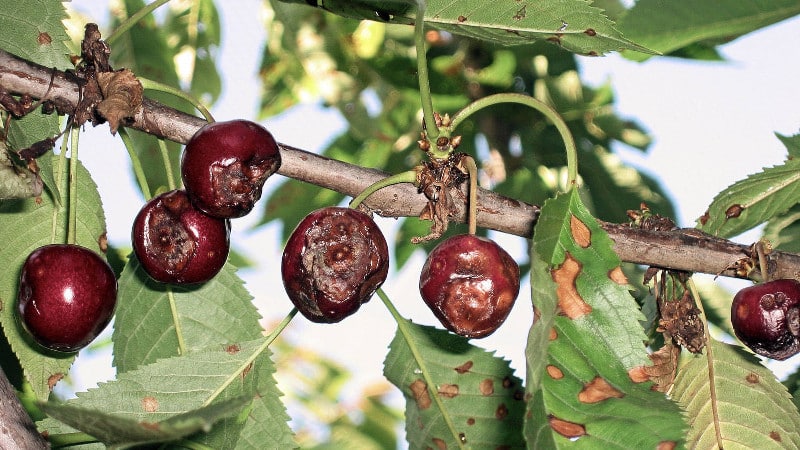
713 124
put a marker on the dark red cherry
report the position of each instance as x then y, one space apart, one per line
225 165
67 295
177 243
766 318
334 261
470 283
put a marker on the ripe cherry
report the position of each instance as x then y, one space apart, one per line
177 243
225 164
67 295
766 318
333 262
470 283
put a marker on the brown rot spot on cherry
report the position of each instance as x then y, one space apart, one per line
177 243
333 262
766 318
225 165
470 284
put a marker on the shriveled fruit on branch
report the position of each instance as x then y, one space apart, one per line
67 295
766 318
177 243
333 262
470 283
225 164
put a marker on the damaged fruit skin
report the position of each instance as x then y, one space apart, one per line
470 283
766 318
333 262
177 243
67 295
225 164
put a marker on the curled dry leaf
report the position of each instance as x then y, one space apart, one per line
122 97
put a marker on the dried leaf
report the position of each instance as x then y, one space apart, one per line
122 97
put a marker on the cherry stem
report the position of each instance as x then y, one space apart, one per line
763 262
472 212
173 307
151 85
136 163
167 164
422 73
409 176
128 23
63 198
72 215
542 107
405 331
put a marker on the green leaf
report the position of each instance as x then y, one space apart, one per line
186 384
156 320
792 144
124 432
671 25
16 181
753 409
753 200
581 302
457 395
30 224
34 30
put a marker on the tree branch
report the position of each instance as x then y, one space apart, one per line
685 249
16 427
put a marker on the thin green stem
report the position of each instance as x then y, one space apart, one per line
472 212
132 20
72 214
422 72
63 195
542 107
161 87
405 331
173 307
409 176
167 164
267 342
70 439
138 171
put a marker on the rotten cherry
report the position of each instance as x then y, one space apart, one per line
176 242
766 318
67 295
333 262
225 164
470 283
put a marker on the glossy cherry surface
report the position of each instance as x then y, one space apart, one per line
766 318
470 283
333 262
176 242
67 295
225 164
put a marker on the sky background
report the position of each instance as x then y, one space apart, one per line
712 123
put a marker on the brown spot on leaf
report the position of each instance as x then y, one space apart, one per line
580 232
570 302
232 349
508 383
590 32
471 421
704 218
486 386
155 426
618 276
419 389
122 97
667 445
501 412
247 370
439 443
751 378
53 379
598 390
553 334
638 374
569 430
775 436
149 404
102 242
44 39
448 390
462 19
592 53
554 372
734 211
464 368
663 370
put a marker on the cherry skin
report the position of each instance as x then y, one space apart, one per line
766 318
177 243
67 295
225 164
333 262
470 283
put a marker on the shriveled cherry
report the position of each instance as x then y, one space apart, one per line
67 295
470 283
177 243
225 164
766 318
333 262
